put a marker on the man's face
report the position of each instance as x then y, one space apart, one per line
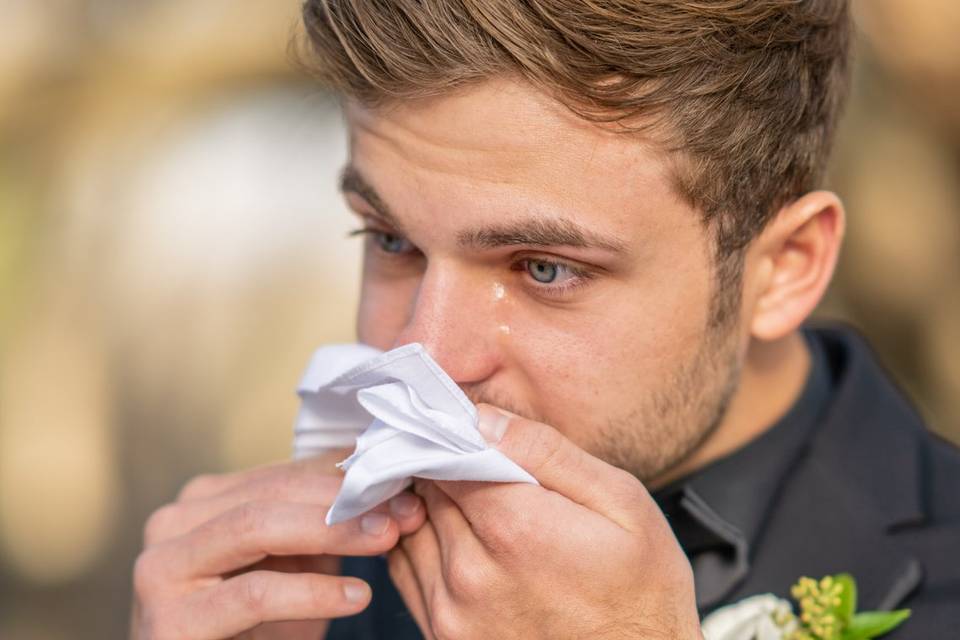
547 265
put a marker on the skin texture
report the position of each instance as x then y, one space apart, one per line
546 263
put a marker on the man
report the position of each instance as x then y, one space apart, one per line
602 220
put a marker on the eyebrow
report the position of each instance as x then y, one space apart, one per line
541 232
538 232
351 181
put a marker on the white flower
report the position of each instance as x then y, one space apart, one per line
762 617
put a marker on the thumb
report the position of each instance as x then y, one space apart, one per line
563 467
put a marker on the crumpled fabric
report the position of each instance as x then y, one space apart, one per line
406 417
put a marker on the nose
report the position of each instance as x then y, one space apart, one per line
456 323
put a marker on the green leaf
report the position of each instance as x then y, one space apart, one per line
872 624
848 598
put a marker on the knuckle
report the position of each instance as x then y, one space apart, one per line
159 524
634 549
253 591
271 486
199 486
650 538
249 519
293 480
147 574
543 448
445 621
629 486
510 535
285 480
320 594
464 578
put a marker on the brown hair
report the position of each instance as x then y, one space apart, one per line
747 92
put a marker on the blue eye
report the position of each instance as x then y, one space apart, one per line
542 271
391 243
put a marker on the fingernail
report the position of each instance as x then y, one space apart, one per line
374 524
404 505
355 591
492 424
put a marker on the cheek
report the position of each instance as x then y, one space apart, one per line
588 365
572 362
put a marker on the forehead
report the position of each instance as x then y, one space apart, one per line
511 145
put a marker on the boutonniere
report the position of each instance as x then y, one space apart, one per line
828 611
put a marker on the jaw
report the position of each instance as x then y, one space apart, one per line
771 379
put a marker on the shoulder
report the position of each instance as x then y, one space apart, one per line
889 483
876 430
874 440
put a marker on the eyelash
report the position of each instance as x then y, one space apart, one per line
372 232
581 276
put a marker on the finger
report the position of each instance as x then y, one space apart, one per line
512 519
250 599
407 509
561 466
211 484
405 580
423 551
302 485
287 484
253 531
451 528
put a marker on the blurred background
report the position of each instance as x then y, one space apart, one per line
172 249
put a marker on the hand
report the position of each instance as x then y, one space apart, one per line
588 554
240 550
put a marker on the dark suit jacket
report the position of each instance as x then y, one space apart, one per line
873 493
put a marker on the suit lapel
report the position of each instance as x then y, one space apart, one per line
868 455
855 498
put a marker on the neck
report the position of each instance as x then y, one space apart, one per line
772 378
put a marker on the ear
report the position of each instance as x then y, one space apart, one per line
790 264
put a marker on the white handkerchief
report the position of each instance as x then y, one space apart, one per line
422 425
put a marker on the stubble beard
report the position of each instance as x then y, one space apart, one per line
673 421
